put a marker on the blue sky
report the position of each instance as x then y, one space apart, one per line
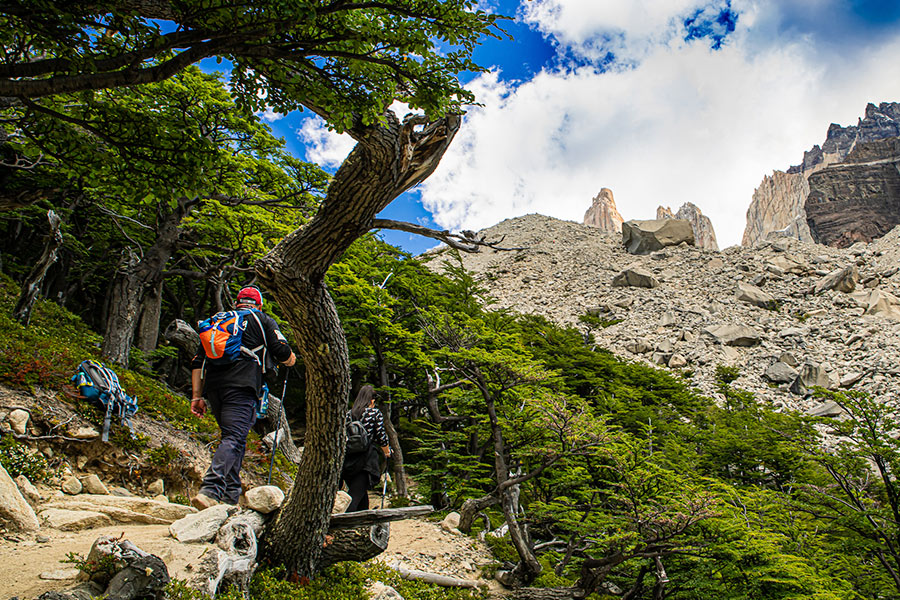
662 101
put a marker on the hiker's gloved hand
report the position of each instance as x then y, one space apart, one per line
198 407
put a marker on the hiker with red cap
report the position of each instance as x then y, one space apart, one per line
227 378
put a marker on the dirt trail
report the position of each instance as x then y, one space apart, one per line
416 543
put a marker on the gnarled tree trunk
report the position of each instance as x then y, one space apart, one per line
32 286
388 159
135 280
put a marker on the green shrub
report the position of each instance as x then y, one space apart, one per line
16 459
163 456
725 375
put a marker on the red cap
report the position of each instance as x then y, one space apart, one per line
250 295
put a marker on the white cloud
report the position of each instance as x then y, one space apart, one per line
687 124
269 115
324 146
628 28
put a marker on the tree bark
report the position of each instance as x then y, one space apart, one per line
471 508
529 566
388 159
147 334
135 280
32 285
356 544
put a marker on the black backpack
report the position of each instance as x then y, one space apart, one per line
357 436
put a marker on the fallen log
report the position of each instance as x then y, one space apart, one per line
355 544
435 578
353 520
529 593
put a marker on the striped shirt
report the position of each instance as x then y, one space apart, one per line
373 421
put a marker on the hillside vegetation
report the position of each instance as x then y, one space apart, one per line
604 471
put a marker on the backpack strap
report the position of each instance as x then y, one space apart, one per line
252 352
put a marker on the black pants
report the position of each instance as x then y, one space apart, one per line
358 488
235 412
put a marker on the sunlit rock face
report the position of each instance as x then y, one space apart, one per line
603 213
704 234
848 184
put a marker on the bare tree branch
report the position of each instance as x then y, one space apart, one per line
464 241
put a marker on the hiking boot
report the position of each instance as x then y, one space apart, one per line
201 501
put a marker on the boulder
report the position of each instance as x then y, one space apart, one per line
341 501
93 485
677 362
73 520
734 335
201 526
755 296
18 421
780 372
156 488
379 591
638 347
15 512
29 492
841 280
264 499
72 486
635 277
879 302
644 237
125 509
84 432
826 409
450 522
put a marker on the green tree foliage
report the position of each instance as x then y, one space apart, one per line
346 60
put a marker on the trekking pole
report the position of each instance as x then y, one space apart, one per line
277 426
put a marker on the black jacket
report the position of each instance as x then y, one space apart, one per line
246 372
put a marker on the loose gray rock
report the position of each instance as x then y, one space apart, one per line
677 362
450 522
780 372
635 277
84 433
826 409
156 488
201 526
638 347
734 335
15 512
29 492
264 499
93 485
841 280
755 296
18 421
72 486
644 237
379 591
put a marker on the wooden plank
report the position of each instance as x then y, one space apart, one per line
360 518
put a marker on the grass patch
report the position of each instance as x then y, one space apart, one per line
46 353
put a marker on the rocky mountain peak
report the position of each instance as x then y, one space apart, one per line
603 214
849 203
704 234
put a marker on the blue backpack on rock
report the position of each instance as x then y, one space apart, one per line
100 385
